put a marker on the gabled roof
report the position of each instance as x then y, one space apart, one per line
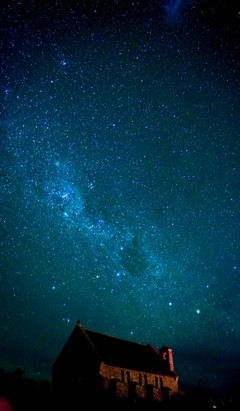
127 354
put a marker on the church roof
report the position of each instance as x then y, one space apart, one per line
127 354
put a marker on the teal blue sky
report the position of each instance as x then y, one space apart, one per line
120 180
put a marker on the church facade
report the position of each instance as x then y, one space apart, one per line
93 365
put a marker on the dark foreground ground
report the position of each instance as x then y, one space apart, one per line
18 393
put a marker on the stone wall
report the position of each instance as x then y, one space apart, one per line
126 383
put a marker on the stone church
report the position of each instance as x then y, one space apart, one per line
94 366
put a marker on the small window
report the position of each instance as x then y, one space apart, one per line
140 379
122 375
156 382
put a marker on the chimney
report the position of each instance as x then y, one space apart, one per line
167 357
170 359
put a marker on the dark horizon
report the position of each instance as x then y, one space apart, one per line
230 375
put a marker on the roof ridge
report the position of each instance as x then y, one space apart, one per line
117 338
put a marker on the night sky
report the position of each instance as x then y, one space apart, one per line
120 180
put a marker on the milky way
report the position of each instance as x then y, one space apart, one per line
119 186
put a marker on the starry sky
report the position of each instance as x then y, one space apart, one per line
120 180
